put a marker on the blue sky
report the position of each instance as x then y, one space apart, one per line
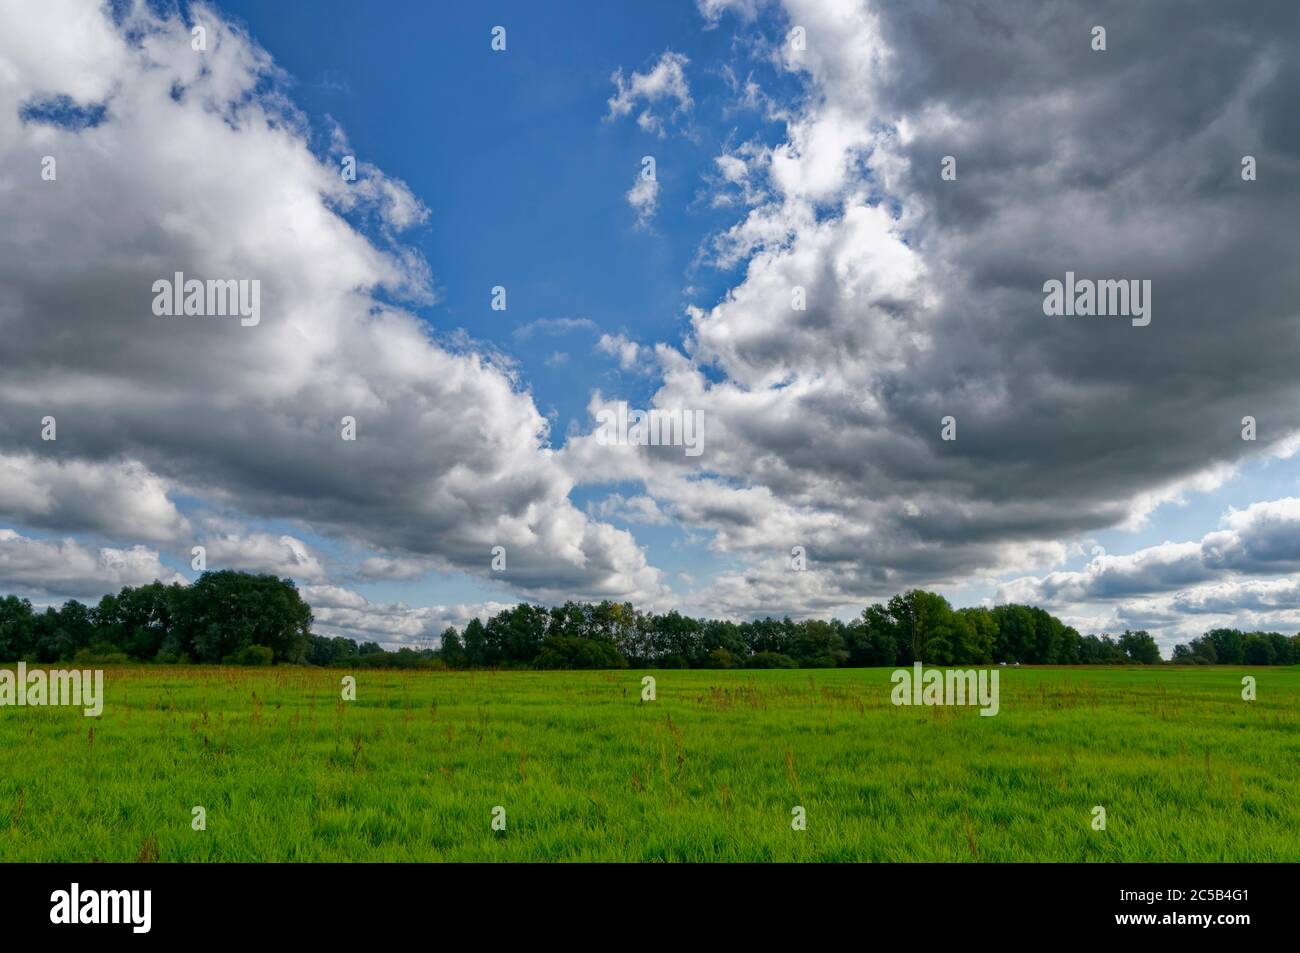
796 147
538 204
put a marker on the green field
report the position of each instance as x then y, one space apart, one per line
709 771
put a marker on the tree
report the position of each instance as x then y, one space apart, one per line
223 614
226 611
575 652
1139 647
720 636
818 644
142 618
514 636
874 642
926 630
1258 650
720 658
1016 633
676 634
1199 652
1045 645
476 645
17 628
1229 645
980 635
450 648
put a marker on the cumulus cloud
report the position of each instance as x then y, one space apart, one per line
637 509
923 298
739 173
664 82
282 555
554 326
342 612
869 299
1263 538
396 568
67 568
111 497
712 10
620 346
644 198
200 166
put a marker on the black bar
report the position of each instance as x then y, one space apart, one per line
329 902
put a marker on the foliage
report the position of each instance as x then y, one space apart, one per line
236 618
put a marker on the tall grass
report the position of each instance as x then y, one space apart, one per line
709 771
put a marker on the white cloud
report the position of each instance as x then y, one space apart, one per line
644 198
665 81
554 326
874 300
712 10
201 166
283 556
637 509
115 498
403 568
626 350
67 568
1263 538
343 612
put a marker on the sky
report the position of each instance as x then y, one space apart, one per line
735 211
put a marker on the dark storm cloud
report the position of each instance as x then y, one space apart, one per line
1121 164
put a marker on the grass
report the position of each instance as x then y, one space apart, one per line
411 770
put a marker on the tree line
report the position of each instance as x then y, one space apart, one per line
228 617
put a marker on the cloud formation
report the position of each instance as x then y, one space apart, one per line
922 298
65 568
664 82
200 166
343 612
868 299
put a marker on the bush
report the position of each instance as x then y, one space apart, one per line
402 658
571 651
254 655
101 653
825 660
772 660
720 658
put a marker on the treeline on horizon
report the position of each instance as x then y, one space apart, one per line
238 618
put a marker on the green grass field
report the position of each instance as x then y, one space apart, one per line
411 770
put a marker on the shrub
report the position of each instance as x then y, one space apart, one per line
772 660
101 653
571 651
254 655
720 658
825 660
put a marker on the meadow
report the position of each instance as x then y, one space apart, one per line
709 771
